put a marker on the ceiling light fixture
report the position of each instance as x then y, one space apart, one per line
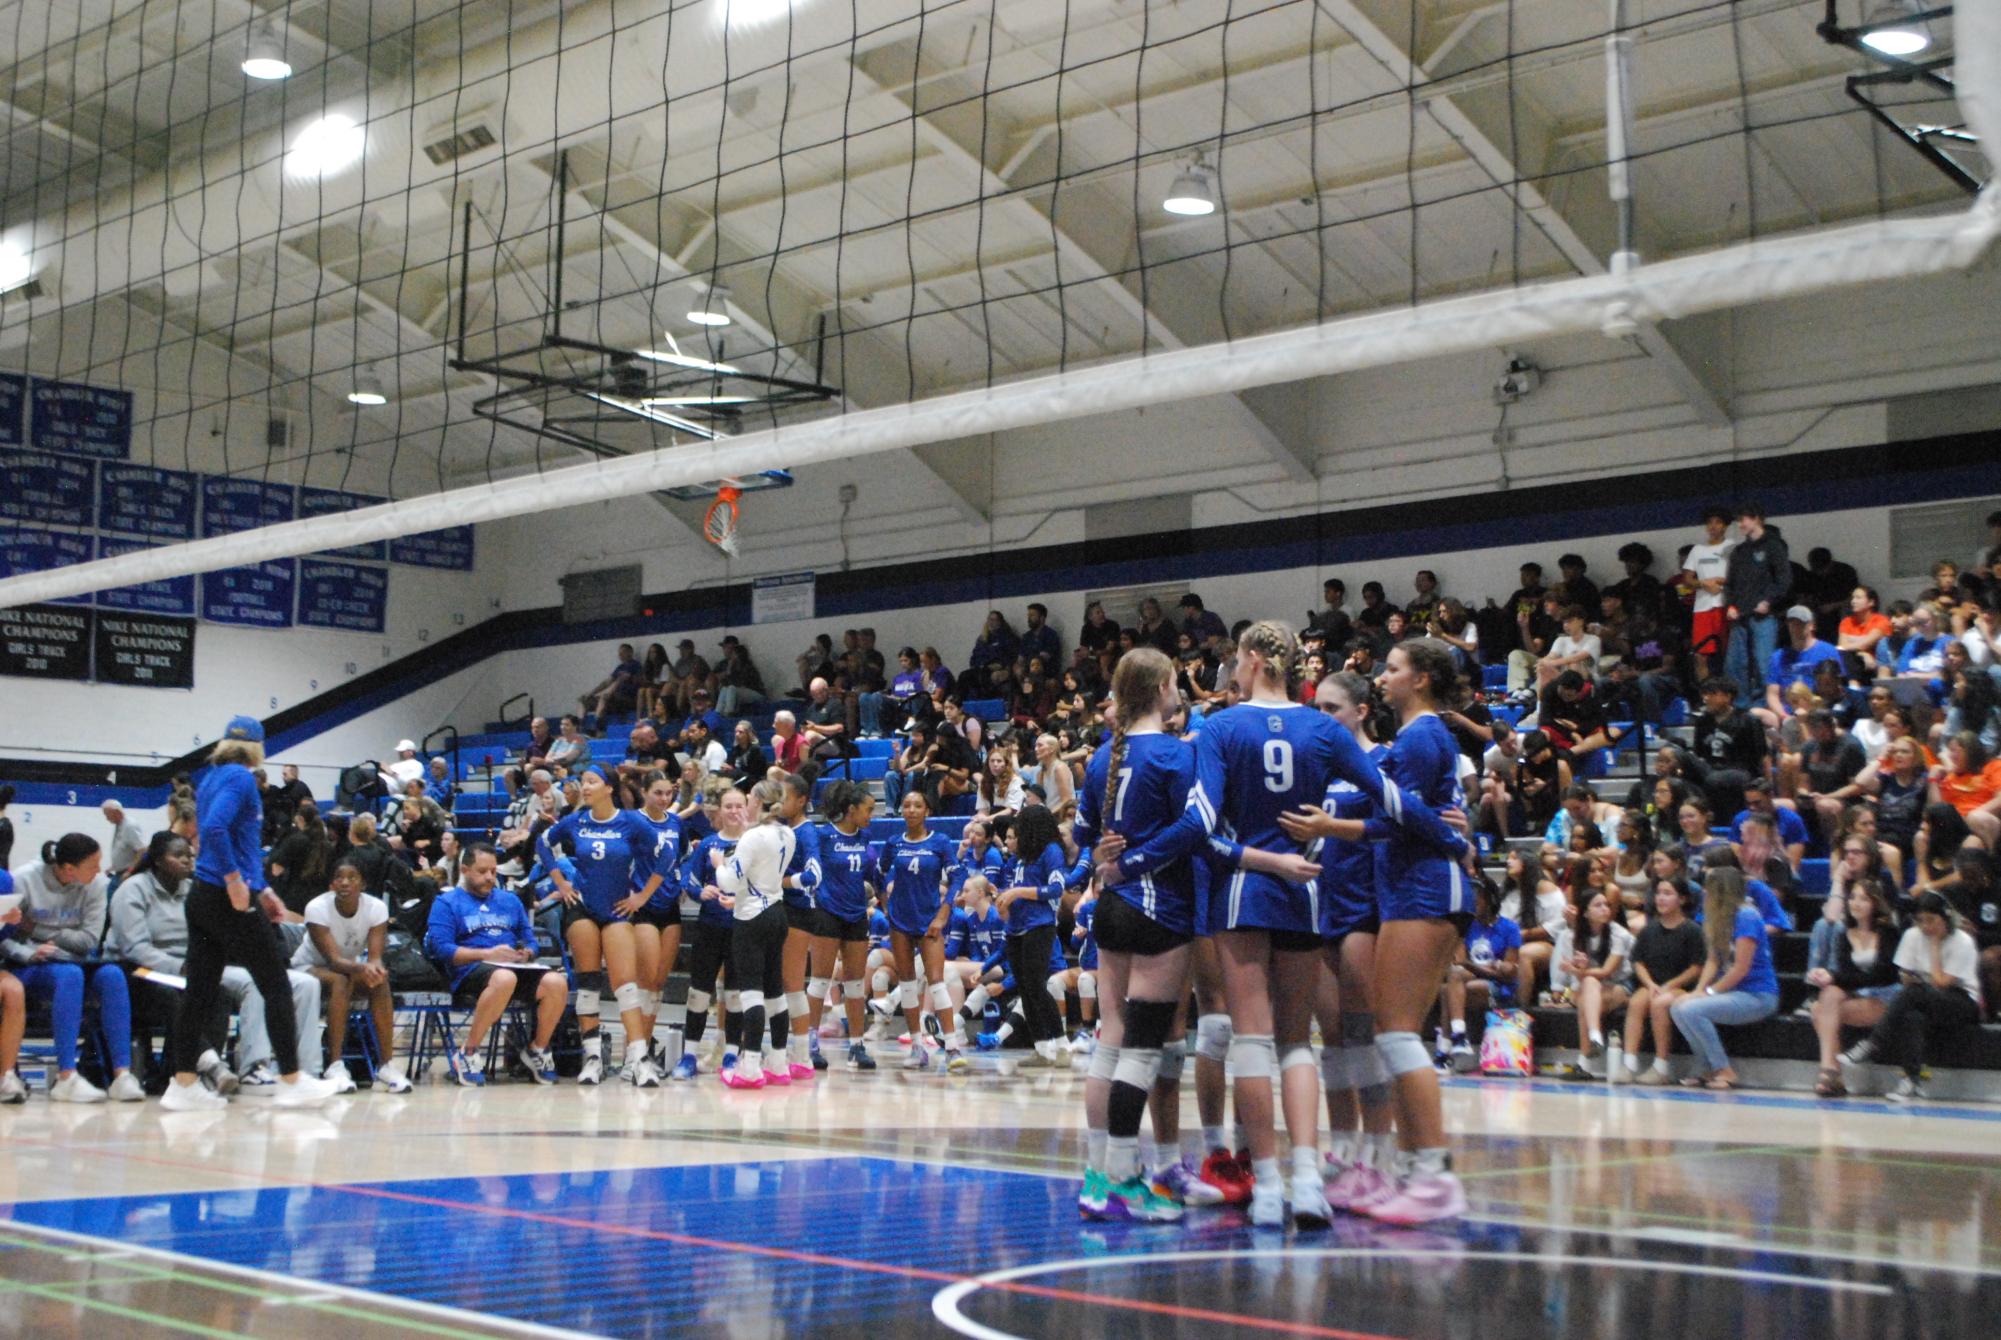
326 146
1892 28
1194 193
674 358
740 14
367 391
265 58
714 310
16 266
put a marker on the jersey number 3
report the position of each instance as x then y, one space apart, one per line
1278 765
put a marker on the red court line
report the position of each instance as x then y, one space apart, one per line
787 1254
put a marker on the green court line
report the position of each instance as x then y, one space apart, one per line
61 1295
153 1273
1904 1161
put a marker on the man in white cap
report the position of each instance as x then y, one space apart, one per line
406 768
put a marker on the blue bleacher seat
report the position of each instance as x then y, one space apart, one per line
876 748
1494 676
1815 876
986 709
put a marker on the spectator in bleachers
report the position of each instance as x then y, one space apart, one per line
1154 629
995 645
1001 789
1331 620
534 805
1970 706
1825 590
1573 585
1790 828
937 680
1821 780
1922 654
63 909
617 691
571 751
1034 694
829 734
1697 840
1940 968
1531 900
1667 958
1396 627
1052 778
1978 900
1738 984
816 662
1485 969
296 868
1593 960
1424 599
128 840
654 676
1575 648
646 752
738 683
701 709
1861 632
1970 782
1362 659
1759 578
1730 746
444 869
746 763
1574 719
951 771
788 743
407 767
1639 590
1940 837
687 673
412 829
1099 634
1375 611
1039 639
907 767
438 787
705 747
540 741
1868 730
1451 625
1200 623
1794 662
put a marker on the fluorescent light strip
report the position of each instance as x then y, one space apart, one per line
680 360
640 410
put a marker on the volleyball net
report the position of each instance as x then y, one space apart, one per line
466 262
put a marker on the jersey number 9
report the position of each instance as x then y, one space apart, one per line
1278 765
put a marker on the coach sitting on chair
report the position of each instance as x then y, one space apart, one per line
481 939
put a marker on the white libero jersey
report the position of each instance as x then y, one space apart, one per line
755 873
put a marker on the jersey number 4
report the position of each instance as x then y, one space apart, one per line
1278 765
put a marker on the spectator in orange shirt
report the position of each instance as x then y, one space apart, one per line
1865 626
1971 784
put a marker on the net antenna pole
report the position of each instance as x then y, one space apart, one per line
556 260
1620 322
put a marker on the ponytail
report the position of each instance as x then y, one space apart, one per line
1136 685
69 849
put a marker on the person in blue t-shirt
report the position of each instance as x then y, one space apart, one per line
1485 972
839 923
480 937
1794 662
1738 984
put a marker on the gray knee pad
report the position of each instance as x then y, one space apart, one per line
1173 1057
1104 1063
1212 1037
1335 1068
1252 1056
1402 1053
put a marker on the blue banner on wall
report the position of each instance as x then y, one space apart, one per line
330 502
13 409
450 548
140 500
259 596
175 595
42 489
24 550
90 421
230 505
348 596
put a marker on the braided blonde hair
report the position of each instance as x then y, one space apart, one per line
1274 641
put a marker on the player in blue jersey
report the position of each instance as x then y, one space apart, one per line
1035 882
1357 1084
656 922
1082 978
1426 901
709 944
982 933
839 925
979 854
1137 785
611 855
915 867
803 877
1253 763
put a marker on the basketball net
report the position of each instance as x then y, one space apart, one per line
719 525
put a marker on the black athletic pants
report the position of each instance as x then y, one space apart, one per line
1028 958
757 963
1914 1015
708 954
219 935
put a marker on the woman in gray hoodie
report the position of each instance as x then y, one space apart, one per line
62 926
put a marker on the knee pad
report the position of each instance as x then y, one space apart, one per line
817 988
1335 1070
1297 1056
1137 1067
748 1001
699 1002
1104 1063
1148 1022
649 1002
627 996
795 1004
733 1002
587 998
941 998
1057 991
1358 1029
1173 1057
1374 1095
881 982
1087 986
908 996
1252 1056
1402 1053
1212 1037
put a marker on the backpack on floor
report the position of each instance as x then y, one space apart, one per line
1508 1045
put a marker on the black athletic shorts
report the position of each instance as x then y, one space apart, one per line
663 918
1289 942
826 926
575 912
467 993
1124 929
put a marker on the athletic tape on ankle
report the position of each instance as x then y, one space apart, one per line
1402 1053
1104 1063
1212 1037
1252 1056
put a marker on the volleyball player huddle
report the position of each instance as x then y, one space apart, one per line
1284 869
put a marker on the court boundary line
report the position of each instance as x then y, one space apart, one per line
945 1303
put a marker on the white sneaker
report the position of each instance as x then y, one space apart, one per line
648 1076
338 1075
1908 1090
305 1091
217 1076
125 1088
390 1078
75 1089
258 1081
12 1090
1309 1202
1268 1206
593 1071
196 1097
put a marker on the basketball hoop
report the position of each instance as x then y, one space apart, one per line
719 525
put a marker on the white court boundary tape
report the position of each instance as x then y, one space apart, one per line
945 1305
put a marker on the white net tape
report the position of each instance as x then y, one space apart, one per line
1754 272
